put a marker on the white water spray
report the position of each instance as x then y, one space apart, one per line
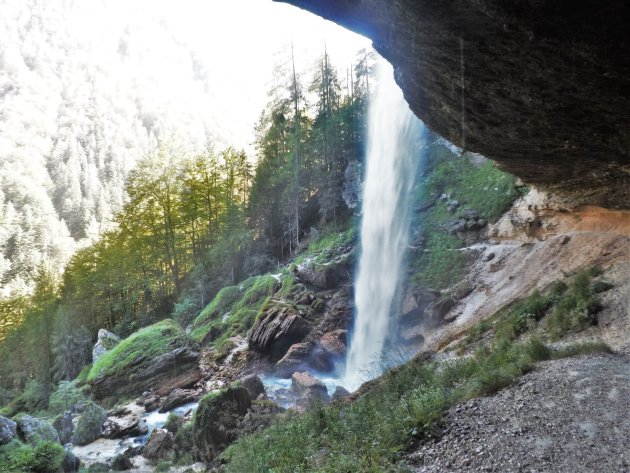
392 155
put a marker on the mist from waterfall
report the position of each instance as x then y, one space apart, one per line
393 152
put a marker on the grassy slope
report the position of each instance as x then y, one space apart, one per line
149 342
481 187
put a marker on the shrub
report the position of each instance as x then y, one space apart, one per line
45 457
65 397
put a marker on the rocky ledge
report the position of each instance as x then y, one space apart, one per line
540 87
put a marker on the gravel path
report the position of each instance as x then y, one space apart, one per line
570 415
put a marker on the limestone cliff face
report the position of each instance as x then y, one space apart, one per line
543 88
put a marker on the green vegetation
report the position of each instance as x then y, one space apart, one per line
239 305
476 184
410 401
67 395
149 342
45 457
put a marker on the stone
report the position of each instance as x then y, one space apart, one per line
178 397
8 430
178 368
64 426
302 382
129 425
470 214
334 342
106 341
121 463
452 205
217 420
71 462
455 226
340 394
159 446
294 359
253 384
151 403
435 312
279 327
90 425
564 131
34 431
322 276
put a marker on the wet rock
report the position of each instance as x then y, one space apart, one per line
455 226
34 431
304 381
159 446
121 463
178 397
151 402
334 342
280 327
294 359
253 384
217 420
8 430
64 426
106 341
71 463
415 302
129 425
340 394
90 425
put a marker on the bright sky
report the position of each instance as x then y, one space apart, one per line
242 40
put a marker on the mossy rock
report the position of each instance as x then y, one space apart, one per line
34 431
217 420
90 425
147 343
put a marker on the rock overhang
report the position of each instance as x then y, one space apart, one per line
542 88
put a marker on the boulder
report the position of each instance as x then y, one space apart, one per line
90 425
334 342
160 446
323 276
279 327
253 384
150 402
177 368
435 312
415 301
8 430
340 394
129 425
176 398
106 341
34 431
64 426
261 415
71 462
304 381
293 360
217 420
121 463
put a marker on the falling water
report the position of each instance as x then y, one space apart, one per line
394 135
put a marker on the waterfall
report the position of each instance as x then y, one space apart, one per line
393 152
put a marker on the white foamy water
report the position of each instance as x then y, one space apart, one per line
394 140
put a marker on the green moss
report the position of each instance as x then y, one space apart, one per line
149 342
240 304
